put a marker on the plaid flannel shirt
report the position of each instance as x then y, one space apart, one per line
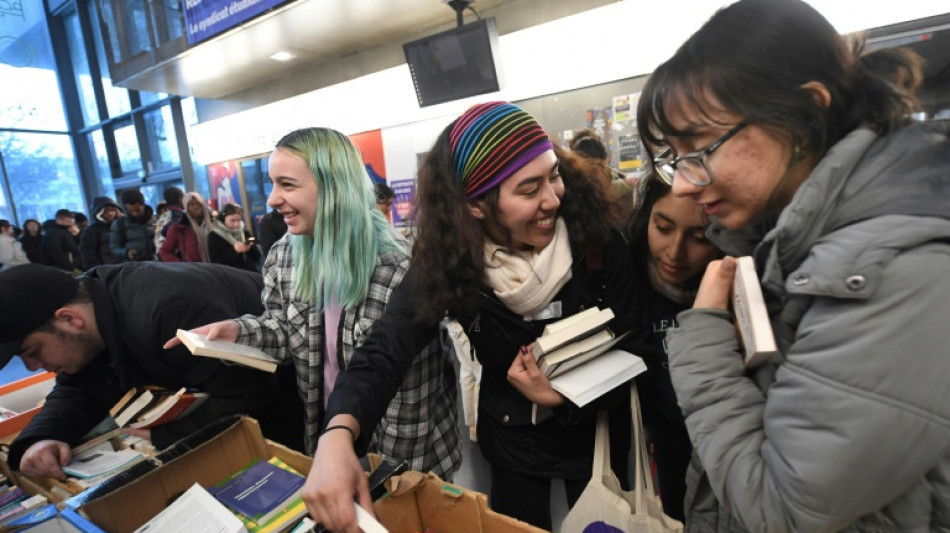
421 423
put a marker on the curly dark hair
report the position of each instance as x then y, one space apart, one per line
449 240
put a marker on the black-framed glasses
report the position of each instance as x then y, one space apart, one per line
693 167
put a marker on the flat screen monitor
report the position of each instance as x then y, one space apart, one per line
454 64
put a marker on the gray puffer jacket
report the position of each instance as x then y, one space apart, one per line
849 428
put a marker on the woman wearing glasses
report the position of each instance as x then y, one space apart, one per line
804 158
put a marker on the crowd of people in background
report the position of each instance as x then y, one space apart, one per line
130 230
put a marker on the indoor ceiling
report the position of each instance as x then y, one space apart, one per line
316 31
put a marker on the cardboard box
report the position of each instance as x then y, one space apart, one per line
419 501
23 396
130 499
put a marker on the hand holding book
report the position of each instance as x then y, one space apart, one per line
716 287
225 330
525 376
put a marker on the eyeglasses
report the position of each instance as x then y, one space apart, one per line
693 167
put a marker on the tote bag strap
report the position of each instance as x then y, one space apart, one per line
601 448
643 480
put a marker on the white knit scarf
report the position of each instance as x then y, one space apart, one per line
526 282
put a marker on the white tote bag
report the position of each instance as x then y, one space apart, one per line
603 507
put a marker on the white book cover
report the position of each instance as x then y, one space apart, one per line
591 380
573 331
579 353
195 511
250 356
752 317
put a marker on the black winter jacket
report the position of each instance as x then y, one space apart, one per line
559 447
94 246
139 306
59 247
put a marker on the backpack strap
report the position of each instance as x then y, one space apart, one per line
595 270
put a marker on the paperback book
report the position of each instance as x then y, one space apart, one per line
571 329
242 354
752 317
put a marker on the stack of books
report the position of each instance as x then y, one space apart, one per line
150 406
578 357
15 502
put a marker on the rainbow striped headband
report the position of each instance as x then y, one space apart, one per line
492 141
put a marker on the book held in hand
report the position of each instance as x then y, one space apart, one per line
571 329
262 492
242 354
752 317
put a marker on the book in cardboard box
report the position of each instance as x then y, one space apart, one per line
264 491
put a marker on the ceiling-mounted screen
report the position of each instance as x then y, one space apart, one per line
454 64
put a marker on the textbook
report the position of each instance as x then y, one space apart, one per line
571 329
261 492
170 408
752 317
227 351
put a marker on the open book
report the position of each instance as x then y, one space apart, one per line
752 317
242 354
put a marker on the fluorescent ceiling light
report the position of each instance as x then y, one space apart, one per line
283 56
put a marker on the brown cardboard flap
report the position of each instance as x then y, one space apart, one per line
419 501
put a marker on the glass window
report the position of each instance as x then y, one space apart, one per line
42 174
136 27
108 19
153 194
190 115
130 158
149 97
163 146
30 97
117 99
6 208
168 14
77 52
97 145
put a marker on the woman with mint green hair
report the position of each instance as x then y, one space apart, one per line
325 284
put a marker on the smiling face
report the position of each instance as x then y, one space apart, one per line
528 202
748 170
295 192
109 213
677 240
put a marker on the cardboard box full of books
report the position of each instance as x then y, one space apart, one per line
129 500
418 502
